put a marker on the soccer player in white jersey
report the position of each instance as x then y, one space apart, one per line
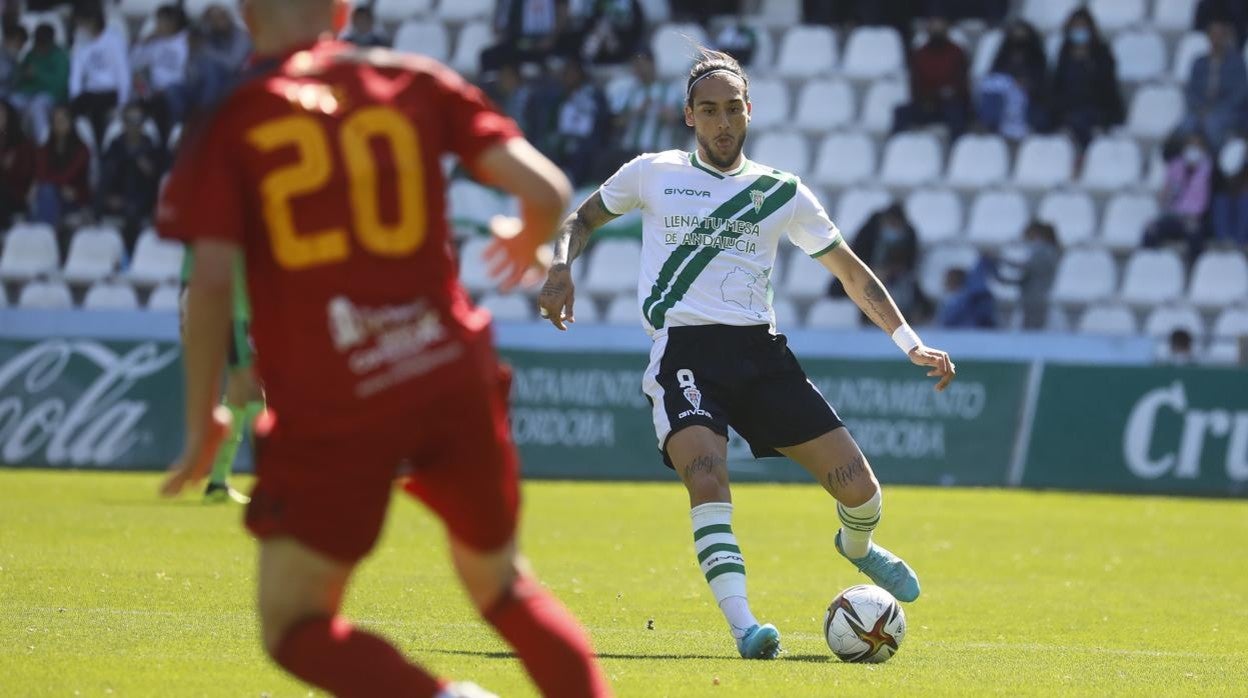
712 220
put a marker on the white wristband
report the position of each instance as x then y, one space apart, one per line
906 339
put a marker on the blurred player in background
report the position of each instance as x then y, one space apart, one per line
323 168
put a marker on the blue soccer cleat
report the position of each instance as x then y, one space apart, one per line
760 642
886 570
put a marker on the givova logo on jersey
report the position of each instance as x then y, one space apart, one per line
684 377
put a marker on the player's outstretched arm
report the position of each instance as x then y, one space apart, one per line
559 293
864 287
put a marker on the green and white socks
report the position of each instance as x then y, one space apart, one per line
722 563
242 418
857 523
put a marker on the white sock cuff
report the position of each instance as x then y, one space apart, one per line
869 508
711 513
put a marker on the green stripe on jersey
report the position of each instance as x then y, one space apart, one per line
717 548
724 569
693 160
835 244
708 530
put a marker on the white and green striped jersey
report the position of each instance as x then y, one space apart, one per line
709 238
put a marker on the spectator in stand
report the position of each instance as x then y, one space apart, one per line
99 70
939 87
130 174
1011 99
738 40
15 37
1185 198
526 32
583 124
363 30
43 81
1230 201
159 64
206 77
225 42
1033 275
647 114
968 302
614 32
1084 94
887 242
1179 351
62 171
1217 89
17 165
1233 12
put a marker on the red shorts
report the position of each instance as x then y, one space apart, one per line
455 455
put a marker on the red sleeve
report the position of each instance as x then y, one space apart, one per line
474 124
203 196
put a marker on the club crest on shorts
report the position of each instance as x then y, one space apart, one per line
757 197
694 396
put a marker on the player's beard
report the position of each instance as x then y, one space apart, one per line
708 147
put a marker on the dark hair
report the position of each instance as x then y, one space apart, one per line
173 13
1181 339
45 34
16 31
362 11
1082 13
13 134
710 61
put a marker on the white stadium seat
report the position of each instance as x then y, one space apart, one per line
804 278
94 253
978 161
1155 111
675 47
1232 322
770 99
1111 163
1152 277
856 206
806 51
1114 320
778 13
784 151
427 37
1193 45
844 159
872 53
1166 319
1219 279
614 266
623 310
911 159
45 295
1222 352
657 11
462 10
585 310
824 105
787 317
472 38
395 11
1155 178
1126 215
111 295
829 313
1044 161
1072 213
1048 15
883 97
1084 276
1173 15
511 306
4 298
935 213
473 205
938 260
1053 46
139 9
997 218
165 297
1140 55
29 250
155 260
473 272
1116 15
986 52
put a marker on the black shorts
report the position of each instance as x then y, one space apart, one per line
719 376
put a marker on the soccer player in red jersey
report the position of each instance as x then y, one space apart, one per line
323 167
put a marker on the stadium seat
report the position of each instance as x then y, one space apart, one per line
428 37
155 260
4 297
1114 320
1222 352
997 218
825 105
472 38
935 213
872 53
29 250
472 205
623 310
1084 276
785 151
1115 15
1072 213
1155 111
770 99
1232 322
787 317
805 278
1168 318
1053 46
1152 277
1111 163
1155 177
657 11
806 51
833 314
31 21
911 159
94 253
1044 161
1193 45
1173 15
1048 15
508 307
883 97
165 297
779 13
139 9
674 47
111 295
463 10
844 159
614 266
1140 54
938 260
1219 278
473 273
1126 215
978 161
986 53
45 295
395 11
856 206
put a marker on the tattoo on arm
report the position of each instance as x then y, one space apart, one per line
847 474
879 304
575 231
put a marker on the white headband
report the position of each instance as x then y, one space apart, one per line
703 76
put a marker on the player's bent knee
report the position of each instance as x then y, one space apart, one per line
486 576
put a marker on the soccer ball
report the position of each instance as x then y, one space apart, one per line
864 623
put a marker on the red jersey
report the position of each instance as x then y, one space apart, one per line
325 167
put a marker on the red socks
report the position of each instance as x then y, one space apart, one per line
345 661
549 641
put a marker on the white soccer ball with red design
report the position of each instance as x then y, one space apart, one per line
864 623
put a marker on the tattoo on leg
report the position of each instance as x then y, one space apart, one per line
700 465
847 474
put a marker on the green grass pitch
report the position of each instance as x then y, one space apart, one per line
105 590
